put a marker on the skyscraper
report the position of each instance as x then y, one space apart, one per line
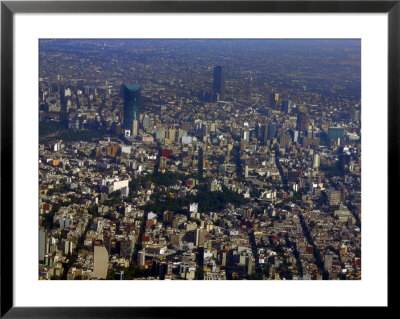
246 135
355 116
286 106
219 82
135 127
42 244
100 262
316 161
335 132
265 133
131 105
273 100
301 122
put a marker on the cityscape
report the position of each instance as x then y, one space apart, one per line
199 159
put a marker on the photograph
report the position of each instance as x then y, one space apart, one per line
199 159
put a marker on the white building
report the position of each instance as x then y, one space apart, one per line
151 215
117 185
193 208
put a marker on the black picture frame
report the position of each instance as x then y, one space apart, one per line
9 8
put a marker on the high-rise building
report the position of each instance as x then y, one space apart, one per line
344 159
246 135
127 247
334 197
265 133
141 258
213 127
42 244
316 161
176 239
286 106
168 216
171 134
335 132
100 262
199 237
273 100
223 257
135 128
219 82
131 105
295 135
328 259
284 139
250 264
355 116
200 162
271 131
258 131
205 130
68 245
146 121
301 122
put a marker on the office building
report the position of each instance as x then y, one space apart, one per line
286 106
100 262
205 130
301 124
295 135
273 100
146 121
316 161
284 139
200 163
334 197
246 136
131 105
127 246
135 128
344 159
219 83
355 115
265 133
42 244
258 131
328 259
168 216
141 258
199 237
271 131
335 132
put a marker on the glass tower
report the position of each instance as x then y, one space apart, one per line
219 82
131 104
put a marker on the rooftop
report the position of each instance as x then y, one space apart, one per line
133 87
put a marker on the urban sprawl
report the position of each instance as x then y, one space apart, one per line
199 160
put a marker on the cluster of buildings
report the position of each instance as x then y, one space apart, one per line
196 186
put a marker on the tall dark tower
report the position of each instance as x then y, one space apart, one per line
301 122
273 100
265 129
200 162
131 104
219 82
